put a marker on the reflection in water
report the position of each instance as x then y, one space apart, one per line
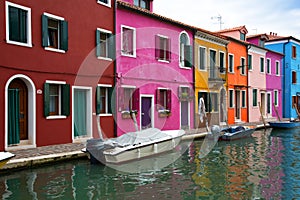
265 166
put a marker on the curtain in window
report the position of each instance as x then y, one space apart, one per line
13 116
80 113
17 24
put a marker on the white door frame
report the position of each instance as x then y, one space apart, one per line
88 109
152 109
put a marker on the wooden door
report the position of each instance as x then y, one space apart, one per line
23 116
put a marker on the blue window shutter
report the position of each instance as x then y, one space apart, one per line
65 99
46 99
98 100
44 31
64 35
111 48
98 43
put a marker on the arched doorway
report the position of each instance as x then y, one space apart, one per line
17 112
20 112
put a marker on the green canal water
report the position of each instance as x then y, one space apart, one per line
265 166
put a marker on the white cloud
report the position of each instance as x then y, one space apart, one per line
278 16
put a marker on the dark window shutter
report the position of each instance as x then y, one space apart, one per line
110 100
188 56
111 48
64 35
65 99
169 99
136 99
97 43
157 47
158 103
168 50
44 31
46 99
98 100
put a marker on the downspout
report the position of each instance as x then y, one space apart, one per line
283 80
248 104
115 116
194 80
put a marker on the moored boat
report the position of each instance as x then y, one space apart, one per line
133 145
285 124
236 132
5 157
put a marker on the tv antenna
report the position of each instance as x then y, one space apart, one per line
219 18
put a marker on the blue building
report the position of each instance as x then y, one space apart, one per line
290 47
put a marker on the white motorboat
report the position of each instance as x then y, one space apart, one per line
5 157
133 145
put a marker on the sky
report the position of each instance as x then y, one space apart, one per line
259 16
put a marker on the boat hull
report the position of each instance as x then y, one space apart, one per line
237 135
141 151
284 124
5 157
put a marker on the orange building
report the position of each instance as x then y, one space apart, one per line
237 70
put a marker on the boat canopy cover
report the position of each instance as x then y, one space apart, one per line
140 137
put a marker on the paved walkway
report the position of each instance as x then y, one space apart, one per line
26 158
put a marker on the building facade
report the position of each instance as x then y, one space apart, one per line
51 64
155 70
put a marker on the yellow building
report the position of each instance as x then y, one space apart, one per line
210 76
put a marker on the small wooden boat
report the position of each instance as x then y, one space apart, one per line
5 157
133 145
236 132
285 124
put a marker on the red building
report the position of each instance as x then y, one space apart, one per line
57 71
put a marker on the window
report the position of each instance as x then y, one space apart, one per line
54 33
186 51
276 97
202 58
231 63
128 98
242 67
254 97
243 99
105 44
269 103
294 77
213 102
277 69
104 99
185 93
162 48
142 3
294 101
222 62
231 98
262 65
261 43
250 62
163 99
56 99
128 41
268 66
104 2
294 52
243 36
18 24
212 64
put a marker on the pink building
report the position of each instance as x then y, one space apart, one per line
271 97
154 69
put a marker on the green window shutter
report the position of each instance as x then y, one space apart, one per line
44 31
46 99
64 35
110 99
111 44
98 100
65 99
188 55
98 43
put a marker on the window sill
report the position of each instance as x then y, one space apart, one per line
19 43
164 113
105 115
104 58
163 61
57 117
128 55
188 68
54 50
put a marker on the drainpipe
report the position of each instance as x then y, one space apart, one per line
283 79
248 104
115 116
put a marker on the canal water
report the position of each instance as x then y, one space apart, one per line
265 166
